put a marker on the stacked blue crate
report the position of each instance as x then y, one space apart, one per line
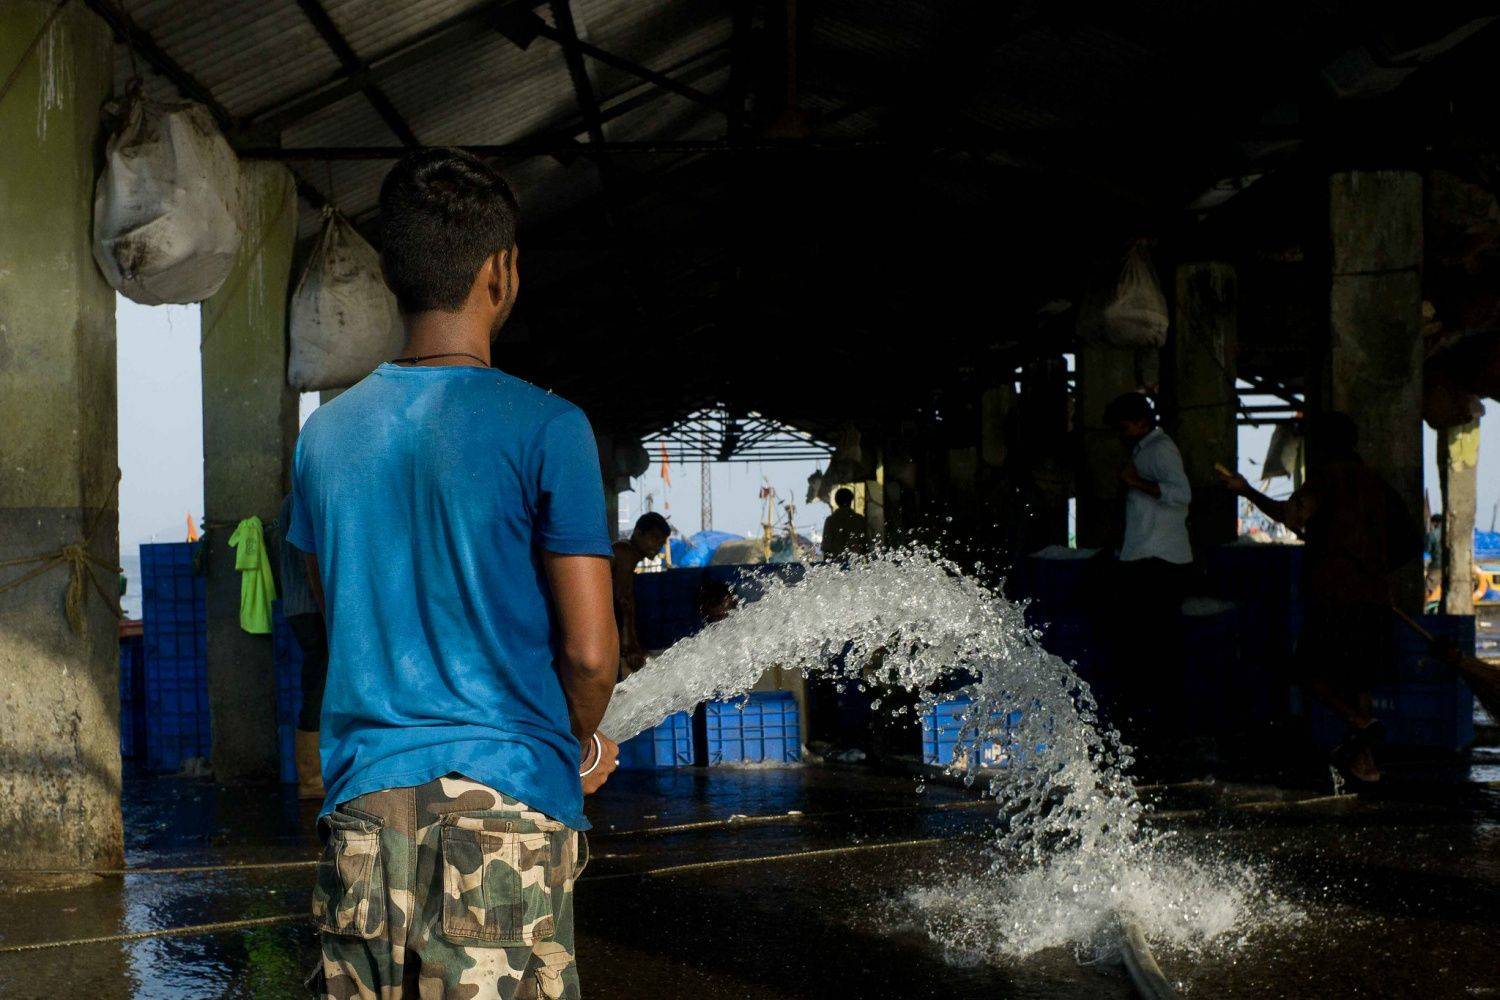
1216 691
174 661
1265 581
288 657
1428 707
669 744
942 723
132 701
666 606
763 729
1057 587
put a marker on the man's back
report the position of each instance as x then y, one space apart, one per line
845 533
428 496
1357 531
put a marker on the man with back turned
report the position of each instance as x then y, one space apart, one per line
1357 532
453 521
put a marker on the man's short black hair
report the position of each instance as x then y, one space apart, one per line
844 497
652 521
1130 406
442 213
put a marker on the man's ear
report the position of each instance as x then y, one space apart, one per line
496 276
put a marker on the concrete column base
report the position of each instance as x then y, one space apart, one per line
59 689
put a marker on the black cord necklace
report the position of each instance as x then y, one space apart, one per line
447 354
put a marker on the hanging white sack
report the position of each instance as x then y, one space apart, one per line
344 319
167 209
1135 312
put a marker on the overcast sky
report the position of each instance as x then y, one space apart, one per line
161 446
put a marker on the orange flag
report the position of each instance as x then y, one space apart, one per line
192 529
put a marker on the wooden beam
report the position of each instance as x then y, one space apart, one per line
550 145
127 33
354 66
426 46
576 44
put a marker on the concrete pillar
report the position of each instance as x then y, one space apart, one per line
1104 372
1458 471
611 511
249 424
59 689
1375 321
875 502
1201 417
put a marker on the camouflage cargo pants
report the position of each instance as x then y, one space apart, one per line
444 891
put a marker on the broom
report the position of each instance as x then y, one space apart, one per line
1483 678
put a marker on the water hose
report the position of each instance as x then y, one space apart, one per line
1145 974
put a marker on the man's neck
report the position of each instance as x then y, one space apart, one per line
450 334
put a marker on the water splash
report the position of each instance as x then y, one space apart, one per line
1072 851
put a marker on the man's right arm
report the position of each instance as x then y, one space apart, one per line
589 652
622 578
1294 512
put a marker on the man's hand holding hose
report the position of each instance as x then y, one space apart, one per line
601 755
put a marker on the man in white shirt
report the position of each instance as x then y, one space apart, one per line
1157 489
1152 573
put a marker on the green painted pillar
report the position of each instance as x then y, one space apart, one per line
249 425
59 689
1375 329
1202 414
1104 372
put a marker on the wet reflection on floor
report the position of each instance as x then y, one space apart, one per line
1401 892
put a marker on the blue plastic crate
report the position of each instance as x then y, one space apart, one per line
940 728
1057 587
669 744
132 696
1265 581
1436 716
666 606
1415 661
765 728
288 659
174 684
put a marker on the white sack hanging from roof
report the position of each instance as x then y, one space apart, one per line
168 220
1132 313
344 319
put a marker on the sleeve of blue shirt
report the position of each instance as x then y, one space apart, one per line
1164 468
570 488
299 529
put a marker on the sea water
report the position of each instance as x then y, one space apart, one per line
1073 851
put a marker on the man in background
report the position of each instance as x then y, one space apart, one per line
645 542
1152 573
1357 532
453 520
305 619
845 532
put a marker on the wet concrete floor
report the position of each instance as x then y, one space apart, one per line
1401 892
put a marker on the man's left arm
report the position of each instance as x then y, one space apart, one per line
1158 473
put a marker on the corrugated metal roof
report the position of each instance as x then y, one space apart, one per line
248 53
1023 110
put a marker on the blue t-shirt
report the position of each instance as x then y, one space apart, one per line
429 496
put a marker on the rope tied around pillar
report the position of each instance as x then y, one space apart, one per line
77 557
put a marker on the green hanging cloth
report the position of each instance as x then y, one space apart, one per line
257 588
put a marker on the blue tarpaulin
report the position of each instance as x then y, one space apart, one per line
697 550
1487 545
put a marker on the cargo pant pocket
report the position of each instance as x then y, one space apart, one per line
349 897
499 872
